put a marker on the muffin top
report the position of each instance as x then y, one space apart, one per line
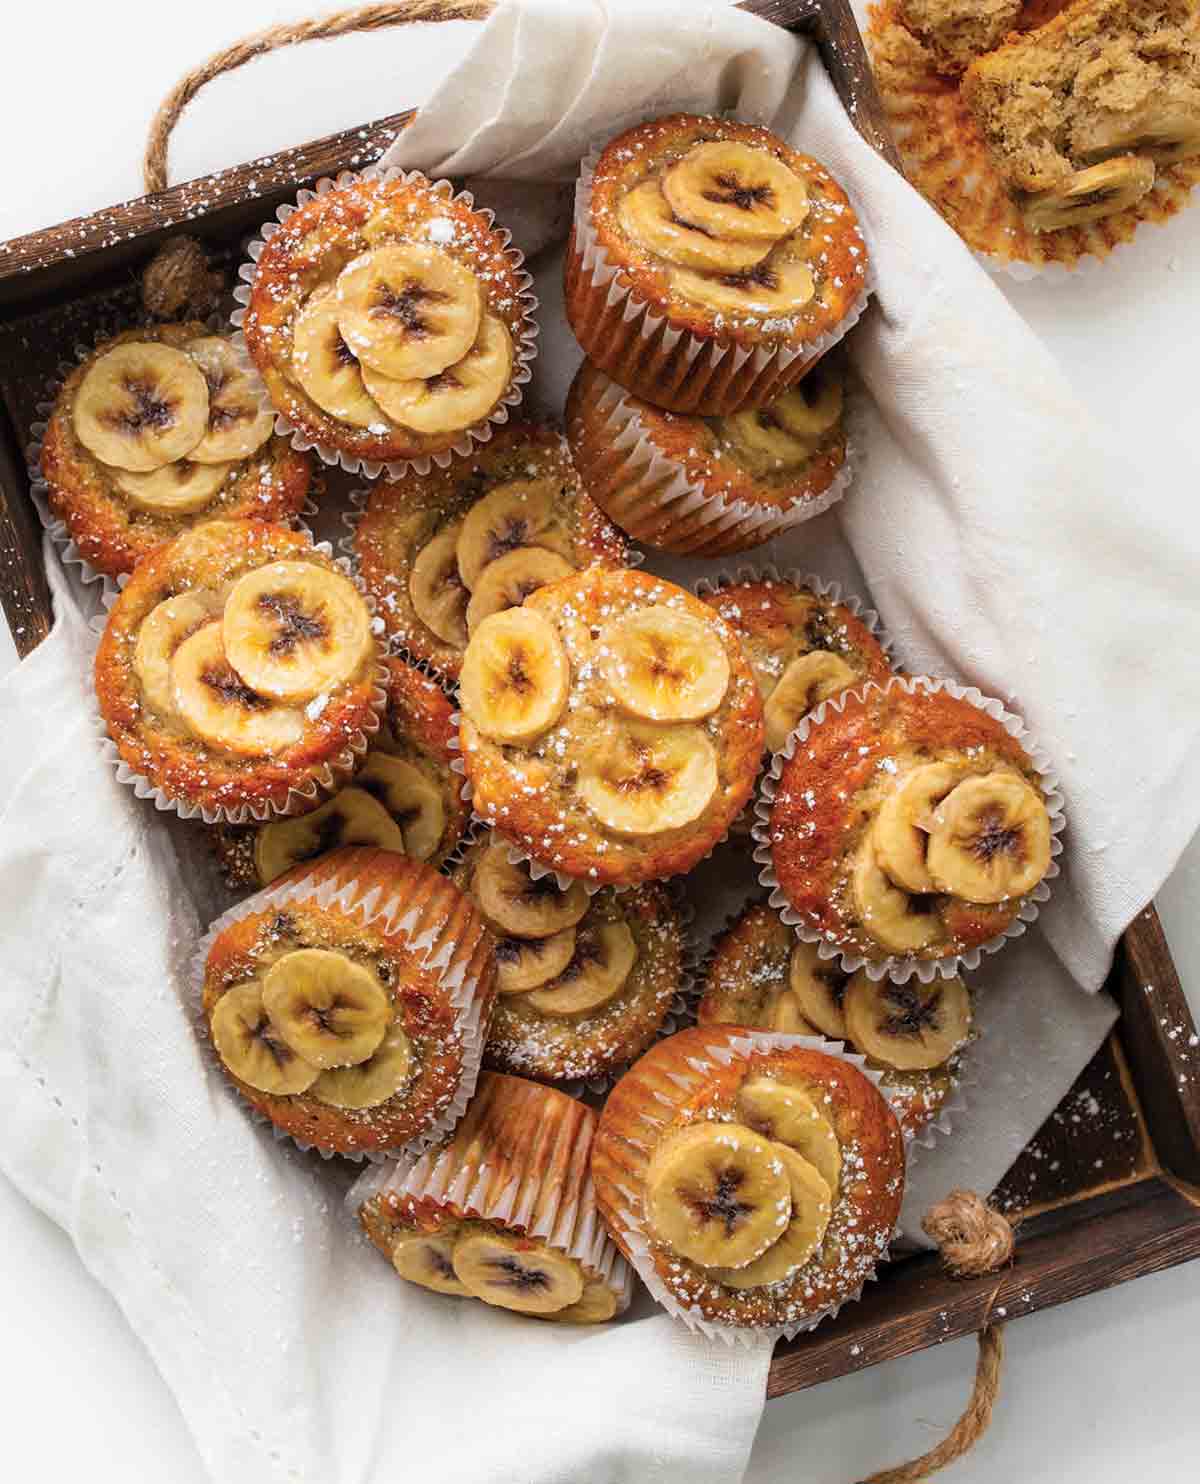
611 726
439 552
388 317
910 825
802 645
159 428
734 233
237 665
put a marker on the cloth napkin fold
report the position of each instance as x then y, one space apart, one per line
1003 539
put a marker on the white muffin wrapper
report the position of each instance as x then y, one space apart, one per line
524 350
432 947
322 783
743 1045
655 480
901 967
596 266
571 1224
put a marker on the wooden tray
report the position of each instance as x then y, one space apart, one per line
1110 1187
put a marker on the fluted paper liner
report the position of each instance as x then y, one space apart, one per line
524 348
658 504
947 160
519 1159
664 1096
722 377
325 782
901 967
459 952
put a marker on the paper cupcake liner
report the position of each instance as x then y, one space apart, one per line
734 1044
947 160
540 1187
659 505
325 781
430 940
525 349
722 378
901 967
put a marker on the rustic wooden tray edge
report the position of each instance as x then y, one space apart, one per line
1085 1238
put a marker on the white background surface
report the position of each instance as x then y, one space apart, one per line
1101 1390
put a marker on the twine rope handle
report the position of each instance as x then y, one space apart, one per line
274 38
973 1240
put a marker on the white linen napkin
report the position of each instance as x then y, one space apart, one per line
1001 536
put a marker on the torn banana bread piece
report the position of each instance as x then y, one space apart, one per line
958 31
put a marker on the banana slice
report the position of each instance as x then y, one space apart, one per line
603 959
330 1010
811 1209
516 904
163 630
663 665
789 1116
889 915
912 1026
990 839
818 985
408 310
598 1304
180 488
781 1011
646 215
373 1081
807 681
1098 191
412 799
718 1193
251 1047
759 433
427 1258
736 191
325 366
460 395
517 1273
351 817
1163 132
215 703
772 287
140 406
517 514
294 629
240 418
523 964
515 676
436 589
508 581
813 407
904 820
640 779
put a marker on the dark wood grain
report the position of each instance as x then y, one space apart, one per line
24 592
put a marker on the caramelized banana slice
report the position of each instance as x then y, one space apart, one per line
426 1258
517 905
163 630
1163 132
818 985
508 581
215 703
718 1193
807 681
141 405
240 418
911 1027
370 1082
641 779
598 1304
1090 194
990 839
181 488
773 287
787 1114
410 797
351 817
904 820
646 215
889 915
663 665
436 589
325 366
517 1273
602 960
515 676
251 1047
330 1010
758 433
462 394
811 1209
408 310
520 513
736 192
523 964
813 407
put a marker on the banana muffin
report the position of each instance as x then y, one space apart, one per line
238 674
391 321
159 428
1078 114
439 552
584 983
709 486
909 826
405 797
504 1211
753 1183
710 264
761 975
611 726
347 1002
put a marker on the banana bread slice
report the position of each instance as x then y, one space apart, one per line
958 31
1105 78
